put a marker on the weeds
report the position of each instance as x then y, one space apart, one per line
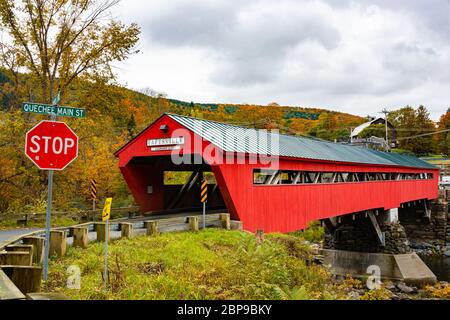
211 264
438 291
314 233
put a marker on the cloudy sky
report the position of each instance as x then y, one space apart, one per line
349 56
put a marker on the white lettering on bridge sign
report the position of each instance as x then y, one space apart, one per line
165 141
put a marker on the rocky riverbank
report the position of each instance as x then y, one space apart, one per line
399 291
429 247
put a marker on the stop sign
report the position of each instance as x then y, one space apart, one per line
51 145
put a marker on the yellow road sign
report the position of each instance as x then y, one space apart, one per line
204 191
106 214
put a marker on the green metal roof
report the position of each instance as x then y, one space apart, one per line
231 138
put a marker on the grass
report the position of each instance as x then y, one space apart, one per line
210 264
314 233
56 222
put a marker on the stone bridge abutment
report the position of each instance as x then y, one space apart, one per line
419 226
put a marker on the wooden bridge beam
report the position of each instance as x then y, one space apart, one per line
58 243
379 233
38 248
80 237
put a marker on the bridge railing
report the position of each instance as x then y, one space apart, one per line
82 215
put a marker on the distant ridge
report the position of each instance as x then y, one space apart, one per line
289 112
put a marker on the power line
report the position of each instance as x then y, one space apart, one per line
423 135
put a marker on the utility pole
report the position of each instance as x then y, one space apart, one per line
385 111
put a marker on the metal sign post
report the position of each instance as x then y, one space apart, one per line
204 215
203 199
48 215
48 223
105 269
49 156
106 214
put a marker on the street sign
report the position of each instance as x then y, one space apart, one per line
51 145
53 110
106 214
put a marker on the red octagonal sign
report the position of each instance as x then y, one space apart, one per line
51 145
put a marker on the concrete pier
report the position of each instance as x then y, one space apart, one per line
401 267
391 216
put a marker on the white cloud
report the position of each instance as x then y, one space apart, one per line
354 57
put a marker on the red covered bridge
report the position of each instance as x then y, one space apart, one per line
266 180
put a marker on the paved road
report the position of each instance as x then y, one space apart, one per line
115 234
8 234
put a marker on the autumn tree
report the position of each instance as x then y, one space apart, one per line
325 126
57 41
301 126
259 116
70 45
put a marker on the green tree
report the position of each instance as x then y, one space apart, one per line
376 130
325 127
410 124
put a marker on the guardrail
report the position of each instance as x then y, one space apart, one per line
26 273
24 218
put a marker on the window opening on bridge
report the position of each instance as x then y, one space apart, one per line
275 177
181 177
210 178
176 177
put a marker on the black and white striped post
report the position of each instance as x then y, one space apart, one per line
93 190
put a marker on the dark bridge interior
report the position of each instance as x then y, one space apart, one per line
181 184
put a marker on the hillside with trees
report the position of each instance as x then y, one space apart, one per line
114 116
70 47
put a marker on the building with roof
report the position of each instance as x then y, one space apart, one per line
264 179
355 135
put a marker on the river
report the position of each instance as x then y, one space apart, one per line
440 266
